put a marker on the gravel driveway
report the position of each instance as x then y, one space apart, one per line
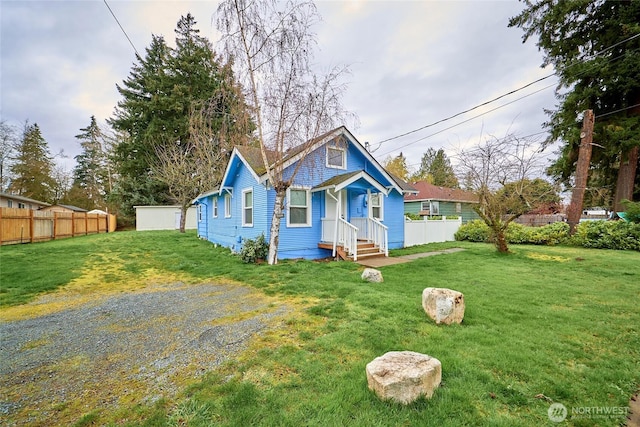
129 348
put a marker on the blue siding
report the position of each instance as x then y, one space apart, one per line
298 242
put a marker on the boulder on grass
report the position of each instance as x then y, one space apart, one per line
404 376
443 305
372 275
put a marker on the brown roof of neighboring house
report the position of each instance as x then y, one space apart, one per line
428 191
23 199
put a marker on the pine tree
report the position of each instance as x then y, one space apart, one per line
89 174
159 97
593 46
436 169
33 166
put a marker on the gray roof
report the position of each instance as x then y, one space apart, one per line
23 199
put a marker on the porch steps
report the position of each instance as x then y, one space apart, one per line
365 250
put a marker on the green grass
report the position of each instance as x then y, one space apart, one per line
554 321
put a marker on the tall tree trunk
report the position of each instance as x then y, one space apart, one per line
626 178
574 210
278 214
501 241
183 218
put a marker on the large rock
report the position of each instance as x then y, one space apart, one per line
443 305
404 376
372 275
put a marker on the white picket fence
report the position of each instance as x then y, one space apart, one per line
430 231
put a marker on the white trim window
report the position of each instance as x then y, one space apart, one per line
199 213
425 206
247 207
376 202
336 157
299 207
435 208
458 207
214 207
227 205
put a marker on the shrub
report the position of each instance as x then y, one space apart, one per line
254 250
608 235
552 234
473 231
632 211
413 217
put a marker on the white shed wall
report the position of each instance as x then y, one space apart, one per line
163 218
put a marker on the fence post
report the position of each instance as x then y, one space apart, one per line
86 223
31 226
1 226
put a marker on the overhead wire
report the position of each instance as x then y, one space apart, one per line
120 25
496 99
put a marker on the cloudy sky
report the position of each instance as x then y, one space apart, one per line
412 63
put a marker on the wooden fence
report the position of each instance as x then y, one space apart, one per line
28 226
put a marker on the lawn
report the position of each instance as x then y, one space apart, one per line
542 325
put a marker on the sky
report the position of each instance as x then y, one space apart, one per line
412 63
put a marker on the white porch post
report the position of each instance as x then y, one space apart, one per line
369 208
335 227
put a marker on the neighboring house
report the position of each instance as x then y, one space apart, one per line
20 202
433 200
342 202
163 218
63 208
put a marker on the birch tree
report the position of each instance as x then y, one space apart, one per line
271 44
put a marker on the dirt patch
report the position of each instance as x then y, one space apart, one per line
135 347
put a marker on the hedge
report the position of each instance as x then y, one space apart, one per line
589 234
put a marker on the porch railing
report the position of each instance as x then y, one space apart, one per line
372 230
347 235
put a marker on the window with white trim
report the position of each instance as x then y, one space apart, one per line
299 207
227 205
425 206
9 203
458 207
199 213
376 206
214 207
336 158
247 208
435 208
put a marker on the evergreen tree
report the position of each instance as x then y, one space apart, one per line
159 96
593 46
89 174
33 166
140 116
436 169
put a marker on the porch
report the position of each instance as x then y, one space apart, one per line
352 225
356 240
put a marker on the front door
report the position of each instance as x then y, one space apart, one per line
331 203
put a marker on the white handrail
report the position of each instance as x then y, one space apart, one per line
379 234
348 236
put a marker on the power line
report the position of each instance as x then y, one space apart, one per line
467 120
468 110
617 111
123 31
506 94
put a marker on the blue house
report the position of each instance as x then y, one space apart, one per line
342 202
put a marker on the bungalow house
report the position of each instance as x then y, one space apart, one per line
433 200
342 202
20 202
